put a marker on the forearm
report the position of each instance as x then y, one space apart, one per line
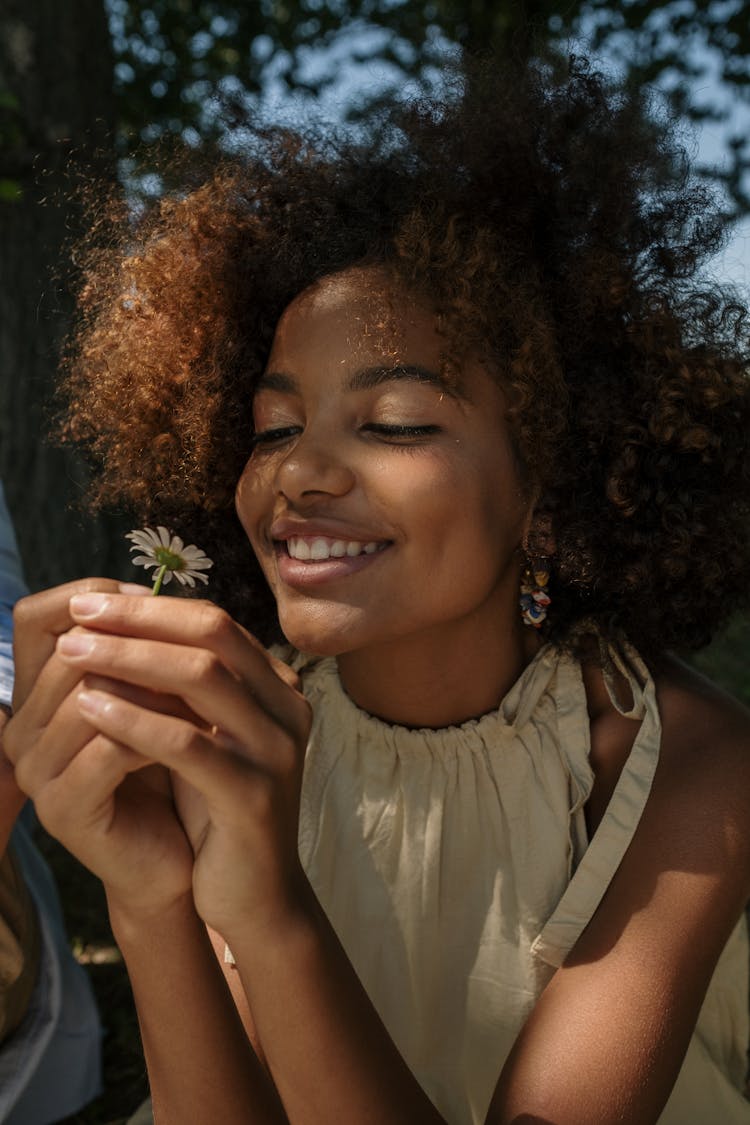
326 1047
201 1066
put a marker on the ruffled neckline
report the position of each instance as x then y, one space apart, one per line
517 708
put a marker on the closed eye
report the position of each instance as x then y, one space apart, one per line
398 433
274 436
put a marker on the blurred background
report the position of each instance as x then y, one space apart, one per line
94 87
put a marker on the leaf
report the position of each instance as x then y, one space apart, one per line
10 191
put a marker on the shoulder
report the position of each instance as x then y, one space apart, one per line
697 716
703 772
696 823
685 876
704 762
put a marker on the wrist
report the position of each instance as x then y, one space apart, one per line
297 922
130 920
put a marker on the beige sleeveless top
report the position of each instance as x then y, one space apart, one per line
455 867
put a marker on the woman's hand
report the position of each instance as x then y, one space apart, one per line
234 742
99 797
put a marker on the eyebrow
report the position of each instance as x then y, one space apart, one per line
364 379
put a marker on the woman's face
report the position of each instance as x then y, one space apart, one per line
381 503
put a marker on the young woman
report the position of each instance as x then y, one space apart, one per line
469 845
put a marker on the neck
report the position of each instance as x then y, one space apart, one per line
426 681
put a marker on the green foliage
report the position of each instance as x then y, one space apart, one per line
181 65
727 660
10 191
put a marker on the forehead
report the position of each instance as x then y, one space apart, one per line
358 310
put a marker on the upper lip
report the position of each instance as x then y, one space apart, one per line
289 528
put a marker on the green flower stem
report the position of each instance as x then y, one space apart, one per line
159 579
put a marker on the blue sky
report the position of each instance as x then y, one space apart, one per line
708 141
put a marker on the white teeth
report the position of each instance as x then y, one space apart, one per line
319 549
299 549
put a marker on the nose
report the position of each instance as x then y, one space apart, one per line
314 466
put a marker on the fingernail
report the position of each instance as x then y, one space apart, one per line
88 605
92 702
75 644
132 588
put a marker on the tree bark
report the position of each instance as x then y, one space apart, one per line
56 122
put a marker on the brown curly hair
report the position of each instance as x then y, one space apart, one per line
554 224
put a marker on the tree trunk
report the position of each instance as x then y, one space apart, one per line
55 119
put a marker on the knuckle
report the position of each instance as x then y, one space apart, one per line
187 740
24 776
26 610
215 623
205 667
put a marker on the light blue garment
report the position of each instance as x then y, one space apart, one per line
51 1066
12 587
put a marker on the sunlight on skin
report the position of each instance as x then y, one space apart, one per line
439 501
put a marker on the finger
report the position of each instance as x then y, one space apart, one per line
51 686
205 762
42 754
197 624
49 729
40 618
144 697
81 796
212 690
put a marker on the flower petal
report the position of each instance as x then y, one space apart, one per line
159 548
144 560
152 537
141 539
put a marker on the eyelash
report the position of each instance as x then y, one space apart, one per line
398 431
405 433
268 437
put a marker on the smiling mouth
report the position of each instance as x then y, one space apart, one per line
321 548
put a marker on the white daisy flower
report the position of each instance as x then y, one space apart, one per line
170 556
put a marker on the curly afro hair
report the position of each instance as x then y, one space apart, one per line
554 225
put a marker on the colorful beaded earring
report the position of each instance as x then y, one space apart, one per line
535 599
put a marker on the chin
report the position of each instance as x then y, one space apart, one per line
322 633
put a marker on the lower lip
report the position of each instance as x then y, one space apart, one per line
299 573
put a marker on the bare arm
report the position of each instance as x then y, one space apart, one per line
114 810
200 1062
623 1006
605 1042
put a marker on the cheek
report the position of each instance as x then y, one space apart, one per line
249 497
488 503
